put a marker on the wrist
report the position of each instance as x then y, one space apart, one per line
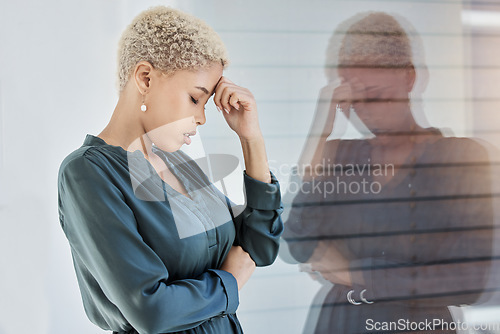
254 153
255 138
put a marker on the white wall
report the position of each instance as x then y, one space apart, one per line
57 83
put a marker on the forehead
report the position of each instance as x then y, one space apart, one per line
371 73
204 77
203 73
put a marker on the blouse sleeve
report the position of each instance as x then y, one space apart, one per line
103 234
259 225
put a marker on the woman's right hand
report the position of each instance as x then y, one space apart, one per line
349 93
239 264
331 264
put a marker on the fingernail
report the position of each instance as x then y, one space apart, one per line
226 110
218 108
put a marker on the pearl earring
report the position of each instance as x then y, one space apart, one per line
143 106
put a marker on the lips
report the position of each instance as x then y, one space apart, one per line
187 136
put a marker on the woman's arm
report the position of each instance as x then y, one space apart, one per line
240 111
254 153
109 251
259 225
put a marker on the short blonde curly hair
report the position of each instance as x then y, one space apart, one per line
170 40
376 40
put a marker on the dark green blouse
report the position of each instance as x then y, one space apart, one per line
147 257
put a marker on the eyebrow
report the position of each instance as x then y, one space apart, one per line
202 89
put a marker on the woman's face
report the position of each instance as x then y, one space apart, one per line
176 105
381 95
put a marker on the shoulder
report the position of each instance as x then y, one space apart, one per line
462 143
84 162
81 156
73 160
461 149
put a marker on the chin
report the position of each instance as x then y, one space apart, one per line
169 147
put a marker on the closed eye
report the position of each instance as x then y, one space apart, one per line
194 100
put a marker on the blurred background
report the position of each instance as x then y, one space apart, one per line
58 83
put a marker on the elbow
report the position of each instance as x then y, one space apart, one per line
145 319
144 324
151 322
146 329
148 316
266 263
263 243
266 257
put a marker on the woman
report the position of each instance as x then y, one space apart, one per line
156 247
400 221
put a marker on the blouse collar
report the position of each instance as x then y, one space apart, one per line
92 140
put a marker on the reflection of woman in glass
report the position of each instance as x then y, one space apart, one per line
159 249
399 222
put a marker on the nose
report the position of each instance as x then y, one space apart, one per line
200 118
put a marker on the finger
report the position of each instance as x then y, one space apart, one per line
342 98
226 80
223 81
227 90
230 96
223 94
344 106
218 94
315 266
233 100
358 90
342 93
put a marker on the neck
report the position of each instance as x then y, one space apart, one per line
125 128
404 134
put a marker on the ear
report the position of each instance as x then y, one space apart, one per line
142 75
411 76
